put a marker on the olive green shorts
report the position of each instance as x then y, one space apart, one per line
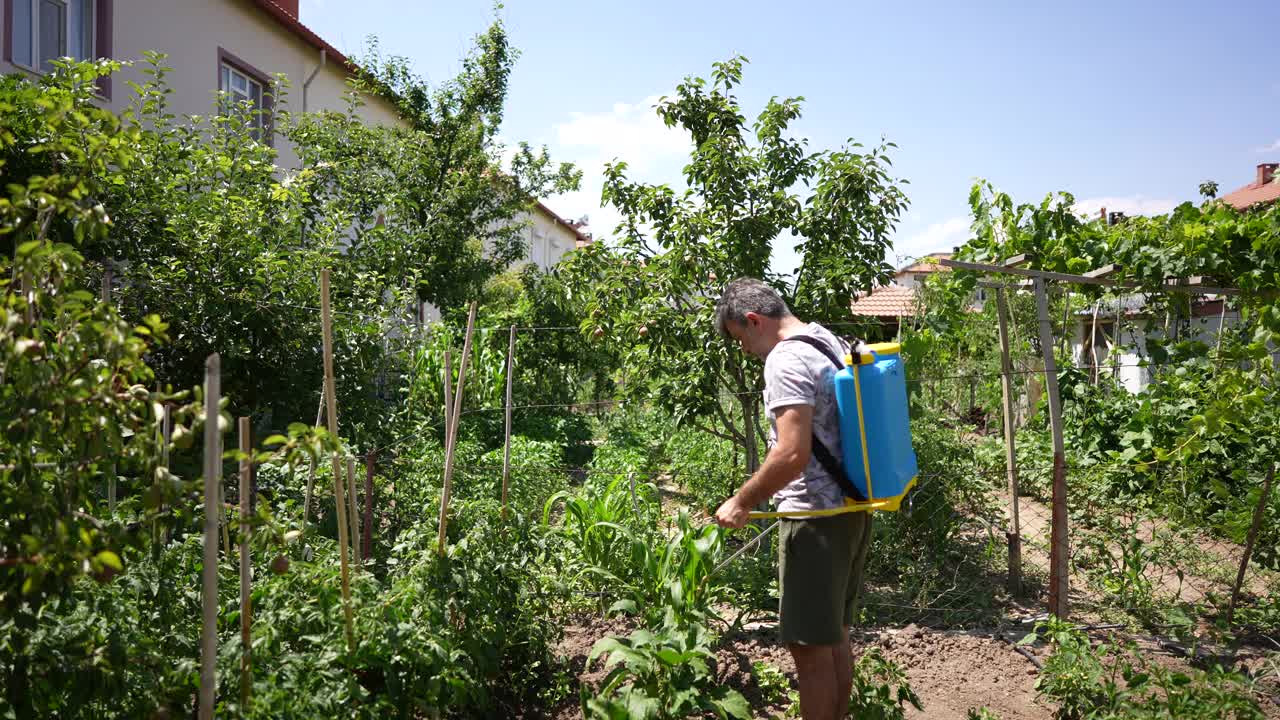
820 568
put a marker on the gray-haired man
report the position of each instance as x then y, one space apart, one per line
821 559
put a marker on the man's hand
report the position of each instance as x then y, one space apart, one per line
732 514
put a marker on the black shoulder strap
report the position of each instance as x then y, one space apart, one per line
826 458
820 346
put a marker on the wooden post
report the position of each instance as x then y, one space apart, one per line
1258 513
1014 534
367 550
1093 345
326 320
212 503
311 473
1068 328
453 428
1058 550
246 580
353 513
1117 336
506 445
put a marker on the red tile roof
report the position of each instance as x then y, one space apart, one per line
888 301
582 238
925 264
1252 194
295 26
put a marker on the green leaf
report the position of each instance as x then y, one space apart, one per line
110 559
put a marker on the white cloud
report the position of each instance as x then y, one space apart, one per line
629 132
938 237
1273 147
1129 205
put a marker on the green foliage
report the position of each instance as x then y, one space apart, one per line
1114 682
880 689
774 685
660 675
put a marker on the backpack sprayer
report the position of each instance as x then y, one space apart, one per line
875 435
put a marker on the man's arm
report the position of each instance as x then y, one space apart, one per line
784 463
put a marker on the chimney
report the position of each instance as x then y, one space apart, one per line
1267 172
1104 215
289 6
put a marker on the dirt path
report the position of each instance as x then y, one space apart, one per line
951 672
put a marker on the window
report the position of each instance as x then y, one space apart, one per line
45 30
246 89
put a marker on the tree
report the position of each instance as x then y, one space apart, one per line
429 207
653 294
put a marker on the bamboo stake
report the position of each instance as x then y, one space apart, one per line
367 550
1058 551
1258 513
209 571
453 428
353 514
448 400
506 445
246 578
222 504
326 320
1014 535
311 473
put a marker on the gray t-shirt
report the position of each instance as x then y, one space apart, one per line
798 374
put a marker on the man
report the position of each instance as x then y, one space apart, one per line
821 559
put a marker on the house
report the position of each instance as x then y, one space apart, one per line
237 46
889 304
1100 350
1264 190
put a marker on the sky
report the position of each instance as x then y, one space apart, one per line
1125 104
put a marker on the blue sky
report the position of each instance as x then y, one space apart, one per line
1125 104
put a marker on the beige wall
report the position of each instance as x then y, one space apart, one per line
547 239
191 31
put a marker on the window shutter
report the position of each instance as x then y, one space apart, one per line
102 43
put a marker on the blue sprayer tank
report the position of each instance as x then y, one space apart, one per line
875 434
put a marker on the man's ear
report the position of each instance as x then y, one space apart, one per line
751 319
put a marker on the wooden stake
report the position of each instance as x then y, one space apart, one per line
448 400
353 513
311 473
506 445
222 505
1014 535
367 550
246 581
326 321
1058 550
1259 513
453 428
212 502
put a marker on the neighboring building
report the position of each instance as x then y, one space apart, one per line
1264 190
1094 341
891 303
549 237
232 45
